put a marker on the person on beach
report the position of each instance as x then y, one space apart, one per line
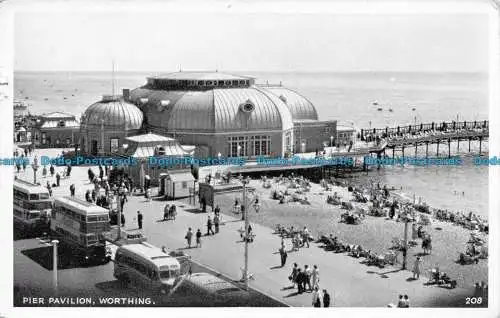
316 298
198 238
406 301
401 302
326 298
188 237
416 267
305 236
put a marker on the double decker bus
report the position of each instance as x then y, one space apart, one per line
32 206
81 226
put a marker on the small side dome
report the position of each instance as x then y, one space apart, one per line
113 111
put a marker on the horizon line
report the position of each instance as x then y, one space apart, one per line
255 71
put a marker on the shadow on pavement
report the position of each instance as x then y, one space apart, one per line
43 256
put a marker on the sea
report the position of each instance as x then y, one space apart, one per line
350 98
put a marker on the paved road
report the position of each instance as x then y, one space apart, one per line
31 280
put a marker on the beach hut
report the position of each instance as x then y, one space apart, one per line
177 184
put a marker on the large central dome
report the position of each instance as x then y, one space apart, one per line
210 102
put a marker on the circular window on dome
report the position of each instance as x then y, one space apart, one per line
247 106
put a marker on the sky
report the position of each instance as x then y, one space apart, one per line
163 41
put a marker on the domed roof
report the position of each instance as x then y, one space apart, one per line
213 110
300 107
113 111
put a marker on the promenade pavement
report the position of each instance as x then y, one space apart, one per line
349 283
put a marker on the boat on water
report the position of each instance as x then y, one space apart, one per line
413 109
390 109
375 103
379 109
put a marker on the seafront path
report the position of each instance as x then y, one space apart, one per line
350 283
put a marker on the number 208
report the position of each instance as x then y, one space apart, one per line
473 300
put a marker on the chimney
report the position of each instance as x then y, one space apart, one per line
126 94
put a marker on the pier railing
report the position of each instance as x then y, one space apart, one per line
397 141
428 127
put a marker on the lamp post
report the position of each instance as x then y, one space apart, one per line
238 151
35 167
245 181
119 212
406 220
331 141
303 147
54 264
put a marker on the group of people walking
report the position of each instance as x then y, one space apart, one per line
304 277
189 237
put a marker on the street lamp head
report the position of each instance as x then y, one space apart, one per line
55 242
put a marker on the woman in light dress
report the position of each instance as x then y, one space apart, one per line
315 277
416 267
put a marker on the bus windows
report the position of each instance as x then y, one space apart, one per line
34 196
33 215
164 274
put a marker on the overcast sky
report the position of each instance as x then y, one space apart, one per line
141 41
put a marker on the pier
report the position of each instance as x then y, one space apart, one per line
407 137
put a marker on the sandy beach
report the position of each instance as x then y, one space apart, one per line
374 233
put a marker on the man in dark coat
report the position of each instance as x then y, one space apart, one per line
68 171
139 219
301 277
58 179
72 190
284 256
101 172
91 175
216 223
209 227
122 219
52 170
